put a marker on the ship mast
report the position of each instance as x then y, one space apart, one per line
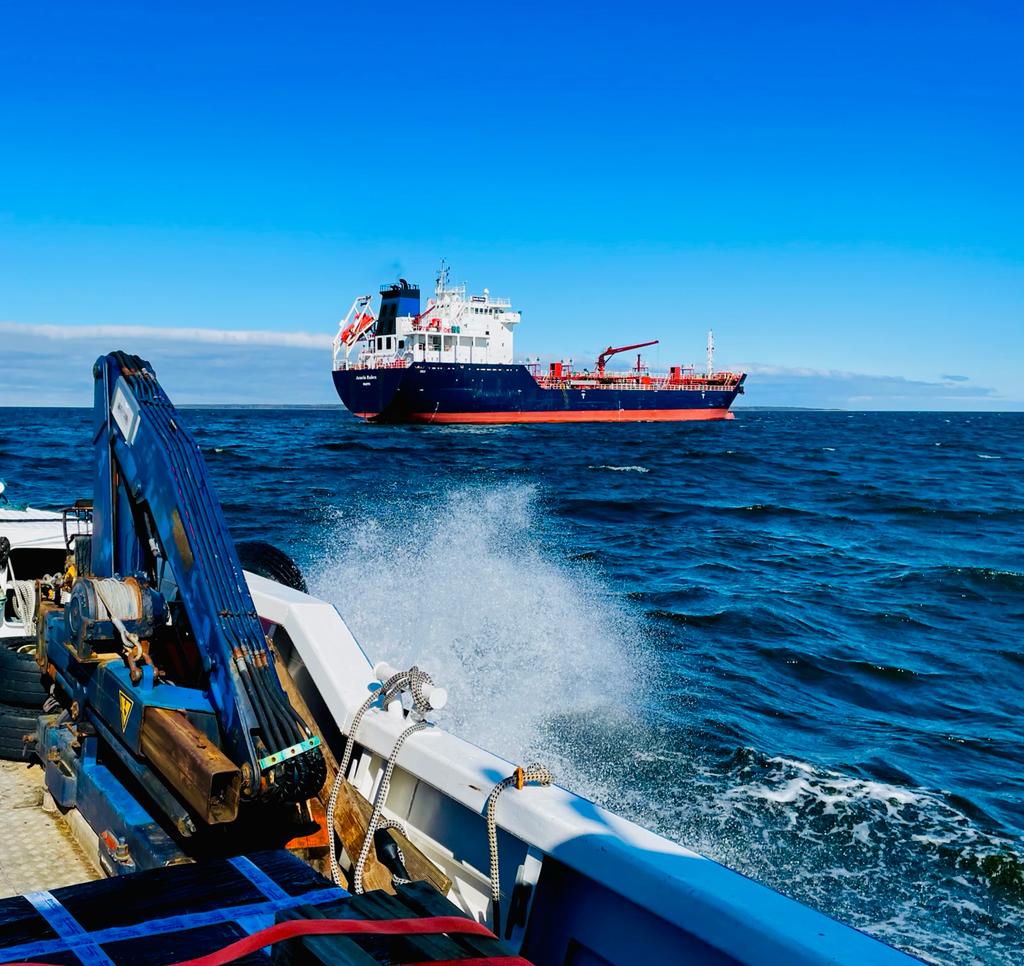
711 354
442 280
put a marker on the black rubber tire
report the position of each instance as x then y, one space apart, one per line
20 681
15 724
260 557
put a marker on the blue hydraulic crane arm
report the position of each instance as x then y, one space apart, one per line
154 504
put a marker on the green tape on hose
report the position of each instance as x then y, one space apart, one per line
278 756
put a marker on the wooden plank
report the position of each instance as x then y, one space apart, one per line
352 814
350 822
419 867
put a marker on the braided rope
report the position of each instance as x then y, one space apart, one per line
535 774
378 805
413 679
26 596
339 778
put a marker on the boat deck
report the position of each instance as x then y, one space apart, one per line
37 848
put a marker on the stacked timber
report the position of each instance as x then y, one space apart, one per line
264 909
412 901
161 916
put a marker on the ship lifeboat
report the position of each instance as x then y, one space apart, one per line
356 328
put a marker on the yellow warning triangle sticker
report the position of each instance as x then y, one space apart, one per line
126 704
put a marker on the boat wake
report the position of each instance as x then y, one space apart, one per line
861 850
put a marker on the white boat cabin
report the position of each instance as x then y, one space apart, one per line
453 327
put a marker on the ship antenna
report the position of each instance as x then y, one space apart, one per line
711 353
442 279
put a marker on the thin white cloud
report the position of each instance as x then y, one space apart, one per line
763 369
47 365
67 333
772 385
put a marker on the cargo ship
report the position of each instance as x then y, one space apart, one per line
452 362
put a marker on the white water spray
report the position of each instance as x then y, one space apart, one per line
470 587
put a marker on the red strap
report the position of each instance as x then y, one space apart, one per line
337 927
294 928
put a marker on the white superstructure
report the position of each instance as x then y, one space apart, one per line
454 327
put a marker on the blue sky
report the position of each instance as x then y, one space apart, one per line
835 188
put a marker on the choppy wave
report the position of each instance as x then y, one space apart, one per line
874 843
861 850
948 575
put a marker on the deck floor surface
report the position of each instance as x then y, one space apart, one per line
37 849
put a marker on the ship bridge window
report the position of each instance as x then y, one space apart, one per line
435 342
449 341
465 340
388 346
401 343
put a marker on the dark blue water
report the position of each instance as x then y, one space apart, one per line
792 641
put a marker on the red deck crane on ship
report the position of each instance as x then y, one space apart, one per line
611 351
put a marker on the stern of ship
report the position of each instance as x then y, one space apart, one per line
368 393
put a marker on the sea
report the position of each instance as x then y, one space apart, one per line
791 641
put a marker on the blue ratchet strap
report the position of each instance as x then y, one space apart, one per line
69 930
85 944
270 889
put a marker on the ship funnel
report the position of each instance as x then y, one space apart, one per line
396 300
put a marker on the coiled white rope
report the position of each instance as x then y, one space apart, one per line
120 601
25 604
535 774
26 597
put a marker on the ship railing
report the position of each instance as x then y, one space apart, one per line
338 352
582 381
393 364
